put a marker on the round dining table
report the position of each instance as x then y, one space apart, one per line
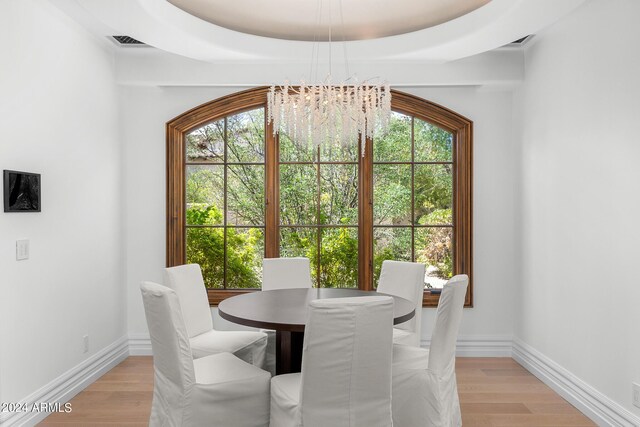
286 310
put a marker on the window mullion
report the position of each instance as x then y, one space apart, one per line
365 217
413 190
272 193
318 229
224 209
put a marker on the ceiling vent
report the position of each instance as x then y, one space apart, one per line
520 42
127 41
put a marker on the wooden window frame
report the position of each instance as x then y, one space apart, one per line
460 127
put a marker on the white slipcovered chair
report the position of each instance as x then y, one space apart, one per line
219 390
404 280
425 392
286 273
187 282
282 273
346 367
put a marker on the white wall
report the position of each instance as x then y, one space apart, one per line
147 109
579 290
58 117
494 211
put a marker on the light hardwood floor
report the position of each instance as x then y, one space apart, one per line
493 392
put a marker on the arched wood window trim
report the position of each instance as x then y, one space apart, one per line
458 125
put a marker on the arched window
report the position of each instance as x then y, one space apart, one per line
236 194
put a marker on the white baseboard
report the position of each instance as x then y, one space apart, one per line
595 405
67 385
468 346
139 344
480 346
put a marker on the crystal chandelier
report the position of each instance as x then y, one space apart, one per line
327 114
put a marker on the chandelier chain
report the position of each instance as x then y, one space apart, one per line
344 42
330 28
326 114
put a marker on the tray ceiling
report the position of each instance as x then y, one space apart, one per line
318 20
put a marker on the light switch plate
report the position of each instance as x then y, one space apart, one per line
22 249
636 394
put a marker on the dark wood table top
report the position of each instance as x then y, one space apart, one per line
286 309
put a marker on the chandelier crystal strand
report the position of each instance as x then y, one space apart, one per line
325 114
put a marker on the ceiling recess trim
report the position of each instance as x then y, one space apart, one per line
160 24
